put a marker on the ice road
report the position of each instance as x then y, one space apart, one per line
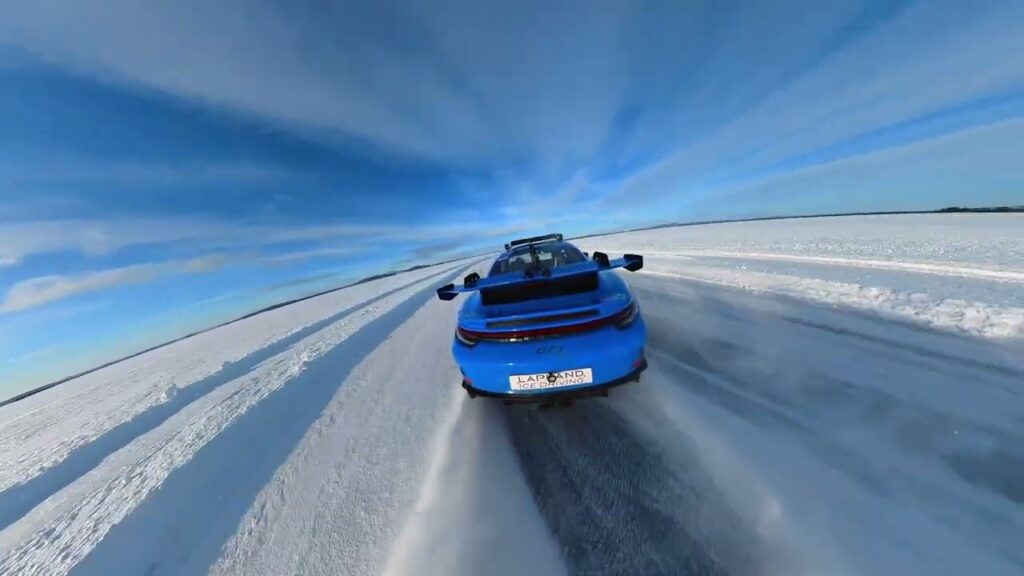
825 396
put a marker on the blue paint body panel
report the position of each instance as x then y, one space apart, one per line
610 353
579 330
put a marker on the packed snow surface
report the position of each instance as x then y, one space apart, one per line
825 396
963 272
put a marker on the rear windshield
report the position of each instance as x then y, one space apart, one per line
547 256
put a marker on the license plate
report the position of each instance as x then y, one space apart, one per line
551 379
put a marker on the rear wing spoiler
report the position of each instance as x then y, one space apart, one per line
472 282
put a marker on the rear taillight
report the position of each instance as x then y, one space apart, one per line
627 316
465 337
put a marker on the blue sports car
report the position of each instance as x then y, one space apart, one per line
548 323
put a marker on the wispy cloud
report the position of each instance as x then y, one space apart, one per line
425 253
42 290
932 172
84 171
14 327
265 69
699 95
449 82
926 59
33 354
329 252
98 237
146 139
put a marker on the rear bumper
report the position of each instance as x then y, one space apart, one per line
611 353
555 394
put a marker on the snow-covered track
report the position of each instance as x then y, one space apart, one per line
17 500
792 421
40 431
66 528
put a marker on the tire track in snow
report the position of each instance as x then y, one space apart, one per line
112 494
602 485
339 501
755 343
475 513
39 432
988 357
16 501
952 314
878 417
223 479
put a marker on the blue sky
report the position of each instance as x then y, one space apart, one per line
168 165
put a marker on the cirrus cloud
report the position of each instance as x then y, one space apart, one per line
41 290
44 289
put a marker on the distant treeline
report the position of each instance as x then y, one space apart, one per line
992 209
948 210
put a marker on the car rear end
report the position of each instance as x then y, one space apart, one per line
577 334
